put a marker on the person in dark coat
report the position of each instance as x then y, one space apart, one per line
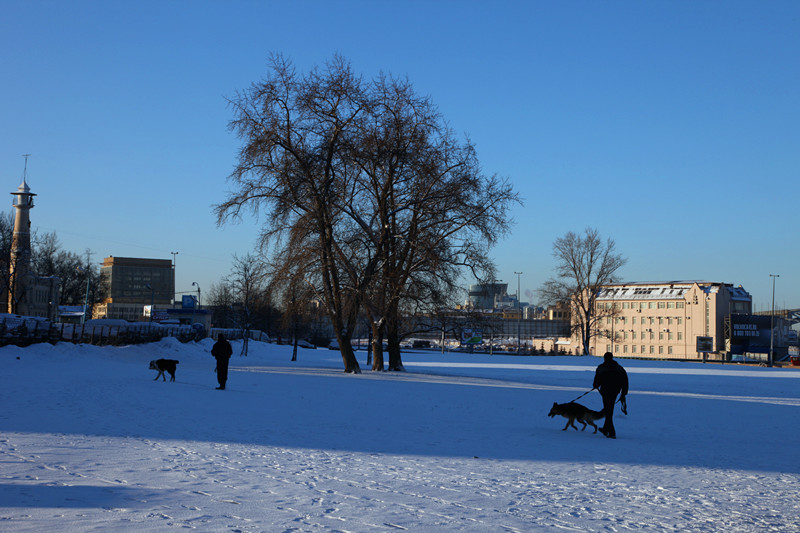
611 380
222 352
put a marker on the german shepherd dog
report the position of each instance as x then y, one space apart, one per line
575 411
164 365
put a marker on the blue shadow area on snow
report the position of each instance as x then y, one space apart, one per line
417 413
27 495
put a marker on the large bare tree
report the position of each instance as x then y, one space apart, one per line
295 130
584 263
370 198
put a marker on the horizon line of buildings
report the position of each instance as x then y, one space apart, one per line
649 319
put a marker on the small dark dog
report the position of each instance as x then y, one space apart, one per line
575 411
164 365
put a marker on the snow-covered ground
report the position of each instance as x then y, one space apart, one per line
88 441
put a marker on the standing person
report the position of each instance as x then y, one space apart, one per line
222 353
610 379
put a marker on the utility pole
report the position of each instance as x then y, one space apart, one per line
174 265
519 312
772 321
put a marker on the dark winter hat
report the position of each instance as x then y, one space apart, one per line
221 337
608 356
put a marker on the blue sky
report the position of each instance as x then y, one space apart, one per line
671 127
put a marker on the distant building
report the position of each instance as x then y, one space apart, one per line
134 283
664 320
495 296
486 295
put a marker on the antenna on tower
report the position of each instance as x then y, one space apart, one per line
25 172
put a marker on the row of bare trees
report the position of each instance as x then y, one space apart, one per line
368 202
76 273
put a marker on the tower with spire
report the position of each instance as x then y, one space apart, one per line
20 258
24 288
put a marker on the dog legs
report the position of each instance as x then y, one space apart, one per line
570 422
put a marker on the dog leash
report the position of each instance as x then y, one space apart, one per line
582 395
621 400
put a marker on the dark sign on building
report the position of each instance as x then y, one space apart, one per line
750 334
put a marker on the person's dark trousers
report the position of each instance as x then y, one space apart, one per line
608 410
222 374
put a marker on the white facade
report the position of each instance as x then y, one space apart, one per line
663 320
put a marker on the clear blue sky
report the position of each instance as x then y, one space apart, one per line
671 127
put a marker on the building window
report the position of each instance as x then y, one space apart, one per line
669 350
633 335
624 348
680 335
680 320
671 336
679 305
652 349
662 305
660 350
661 335
670 305
643 348
633 348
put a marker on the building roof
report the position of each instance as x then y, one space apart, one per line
665 290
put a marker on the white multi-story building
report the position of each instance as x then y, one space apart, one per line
664 319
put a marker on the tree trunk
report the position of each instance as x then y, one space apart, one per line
348 355
393 341
377 347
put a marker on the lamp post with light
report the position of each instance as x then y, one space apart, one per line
772 321
519 312
174 265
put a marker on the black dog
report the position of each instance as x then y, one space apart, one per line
164 365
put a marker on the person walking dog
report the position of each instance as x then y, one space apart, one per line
222 352
611 380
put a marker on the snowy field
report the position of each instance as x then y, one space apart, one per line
89 442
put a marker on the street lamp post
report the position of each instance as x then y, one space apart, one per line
493 319
174 264
86 299
519 312
195 284
772 321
